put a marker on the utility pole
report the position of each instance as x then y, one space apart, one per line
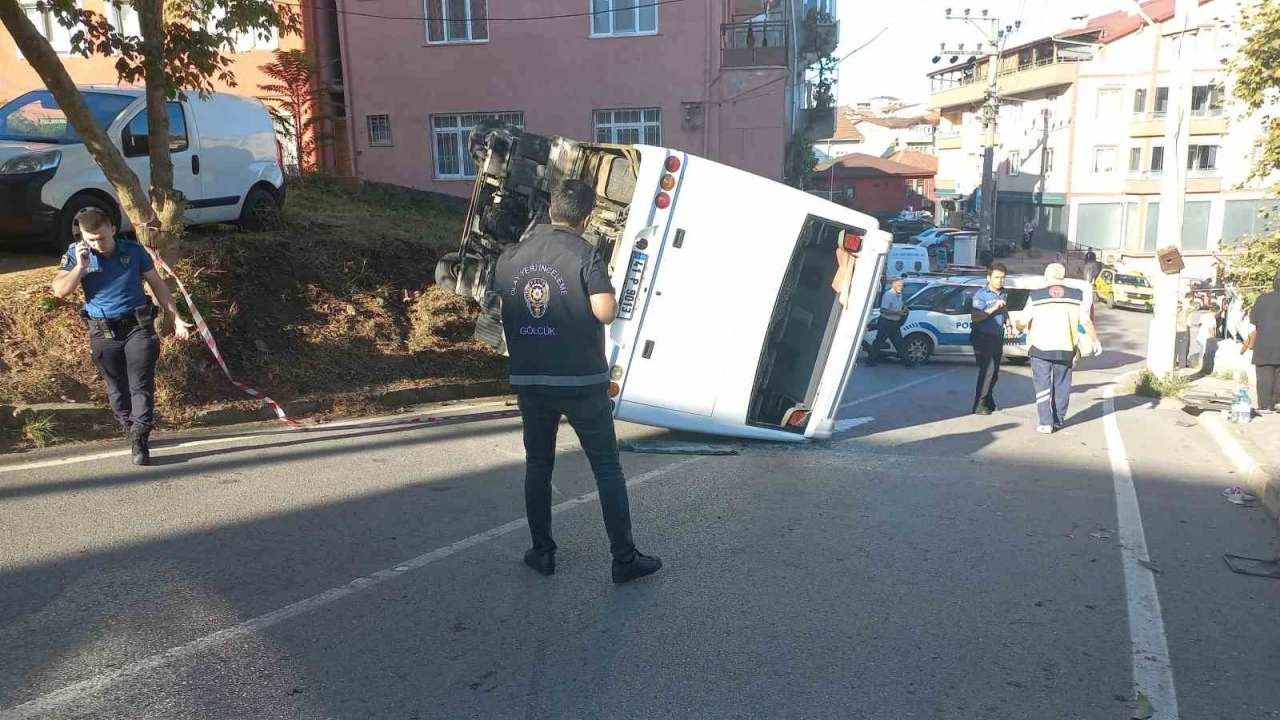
1173 187
991 49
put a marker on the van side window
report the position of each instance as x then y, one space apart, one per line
136 143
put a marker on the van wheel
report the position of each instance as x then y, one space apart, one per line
919 348
260 211
448 270
68 228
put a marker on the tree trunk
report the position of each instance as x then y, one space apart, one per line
37 51
167 202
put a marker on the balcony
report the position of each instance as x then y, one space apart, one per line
967 85
949 141
1148 182
1209 121
816 123
754 44
819 35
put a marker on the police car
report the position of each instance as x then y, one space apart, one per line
939 317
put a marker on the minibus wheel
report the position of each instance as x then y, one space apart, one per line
448 270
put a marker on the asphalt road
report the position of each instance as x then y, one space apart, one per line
925 564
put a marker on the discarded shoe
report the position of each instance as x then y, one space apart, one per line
1237 496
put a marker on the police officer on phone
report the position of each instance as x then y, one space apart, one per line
121 320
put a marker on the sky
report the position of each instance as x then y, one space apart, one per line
896 63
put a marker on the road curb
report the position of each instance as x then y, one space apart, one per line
79 415
1262 479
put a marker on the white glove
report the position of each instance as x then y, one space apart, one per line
1097 348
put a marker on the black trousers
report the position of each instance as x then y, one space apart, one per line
1268 386
1181 348
591 416
989 352
129 367
889 332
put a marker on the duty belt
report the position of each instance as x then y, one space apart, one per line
118 328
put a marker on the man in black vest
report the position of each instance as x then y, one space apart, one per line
556 300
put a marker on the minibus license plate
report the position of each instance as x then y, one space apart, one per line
631 286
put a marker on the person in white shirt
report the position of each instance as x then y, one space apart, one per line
893 313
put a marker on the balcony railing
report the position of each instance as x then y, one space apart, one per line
978 72
754 44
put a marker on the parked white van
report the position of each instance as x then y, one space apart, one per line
729 321
225 160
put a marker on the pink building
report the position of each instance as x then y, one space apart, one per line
724 79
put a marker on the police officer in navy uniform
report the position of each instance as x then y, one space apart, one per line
556 299
121 320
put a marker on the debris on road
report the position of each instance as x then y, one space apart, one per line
1145 710
1099 536
672 447
1150 566
1257 567
1237 496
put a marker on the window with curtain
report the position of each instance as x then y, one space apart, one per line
611 18
457 21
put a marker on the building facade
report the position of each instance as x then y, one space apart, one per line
251 52
1081 132
715 78
874 185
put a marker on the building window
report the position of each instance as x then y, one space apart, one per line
450 134
916 186
1162 102
47 25
629 127
1206 101
379 129
1015 163
240 41
611 18
1157 159
457 21
1135 160
1248 218
1140 101
1048 161
1104 160
1108 103
124 19
1202 158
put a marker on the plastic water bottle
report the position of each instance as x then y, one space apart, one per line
1241 409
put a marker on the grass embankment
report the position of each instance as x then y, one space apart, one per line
338 301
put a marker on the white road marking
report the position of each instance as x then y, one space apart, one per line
47 704
851 423
1230 447
892 390
1152 669
163 448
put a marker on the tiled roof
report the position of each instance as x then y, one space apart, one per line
895 123
863 165
847 126
915 158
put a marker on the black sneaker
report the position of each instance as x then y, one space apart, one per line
982 410
141 450
639 566
544 564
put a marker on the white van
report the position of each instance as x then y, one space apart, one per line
727 318
904 258
225 160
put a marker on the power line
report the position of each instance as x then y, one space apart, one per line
747 94
422 18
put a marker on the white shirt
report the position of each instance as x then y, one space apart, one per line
891 301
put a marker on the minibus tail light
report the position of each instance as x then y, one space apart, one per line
673 164
663 201
668 182
851 242
614 389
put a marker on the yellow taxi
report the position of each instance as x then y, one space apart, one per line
1119 287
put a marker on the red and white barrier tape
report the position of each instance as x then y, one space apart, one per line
212 344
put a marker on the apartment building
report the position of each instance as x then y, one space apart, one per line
1081 131
720 78
251 51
